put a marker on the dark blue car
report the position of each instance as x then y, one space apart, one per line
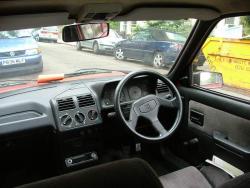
19 54
156 47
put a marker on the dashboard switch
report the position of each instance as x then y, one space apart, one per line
79 117
66 120
92 114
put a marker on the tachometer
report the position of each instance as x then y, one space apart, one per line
123 98
135 92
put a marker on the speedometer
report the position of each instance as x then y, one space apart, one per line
135 92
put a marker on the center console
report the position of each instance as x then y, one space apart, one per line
78 119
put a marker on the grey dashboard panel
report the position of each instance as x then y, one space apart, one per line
235 128
23 115
36 107
76 108
31 108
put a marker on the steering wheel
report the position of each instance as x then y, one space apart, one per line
148 107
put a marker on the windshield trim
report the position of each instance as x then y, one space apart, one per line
176 66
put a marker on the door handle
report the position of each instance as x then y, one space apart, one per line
197 117
223 140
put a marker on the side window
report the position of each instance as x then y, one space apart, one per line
223 64
138 36
142 36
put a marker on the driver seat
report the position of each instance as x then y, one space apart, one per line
132 173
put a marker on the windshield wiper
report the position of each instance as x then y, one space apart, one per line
25 36
11 83
57 77
86 71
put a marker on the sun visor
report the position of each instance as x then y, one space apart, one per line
26 21
99 12
168 14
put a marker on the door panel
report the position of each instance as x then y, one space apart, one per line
221 124
235 128
131 49
87 44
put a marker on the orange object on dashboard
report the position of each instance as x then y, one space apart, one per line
49 78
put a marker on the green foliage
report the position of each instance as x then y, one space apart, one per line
114 25
245 21
178 26
182 27
136 28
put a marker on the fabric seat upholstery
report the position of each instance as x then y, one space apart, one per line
130 173
242 181
189 177
134 173
215 176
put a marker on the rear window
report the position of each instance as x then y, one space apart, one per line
53 28
175 37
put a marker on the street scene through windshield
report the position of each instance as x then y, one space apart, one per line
130 46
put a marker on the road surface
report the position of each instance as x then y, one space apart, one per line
63 58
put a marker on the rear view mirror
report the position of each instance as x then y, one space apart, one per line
209 80
81 32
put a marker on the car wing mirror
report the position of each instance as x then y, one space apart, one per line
209 80
82 32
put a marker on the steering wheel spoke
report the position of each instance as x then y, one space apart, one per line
169 103
133 119
159 127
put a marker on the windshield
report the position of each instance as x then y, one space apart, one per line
114 34
175 37
53 28
130 46
15 34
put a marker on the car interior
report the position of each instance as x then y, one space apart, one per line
97 132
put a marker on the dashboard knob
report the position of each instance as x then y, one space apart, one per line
79 117
66 120
92 114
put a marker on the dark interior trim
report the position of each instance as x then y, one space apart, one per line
216 101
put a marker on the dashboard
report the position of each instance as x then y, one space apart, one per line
67 106
134 90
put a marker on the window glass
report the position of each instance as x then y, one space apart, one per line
26 54
223 64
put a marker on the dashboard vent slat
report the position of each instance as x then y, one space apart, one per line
65 104
162 87
86 100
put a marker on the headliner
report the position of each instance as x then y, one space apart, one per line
19 14
8 7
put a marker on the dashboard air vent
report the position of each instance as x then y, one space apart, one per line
86 100
162 87
65 104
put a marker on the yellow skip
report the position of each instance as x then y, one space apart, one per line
231 57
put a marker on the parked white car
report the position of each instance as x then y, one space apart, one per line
105 44
47 34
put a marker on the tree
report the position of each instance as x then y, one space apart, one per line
114 25
178 26
245 21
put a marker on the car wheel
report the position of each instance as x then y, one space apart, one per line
37 38
78 46
158 60
96 48
119 53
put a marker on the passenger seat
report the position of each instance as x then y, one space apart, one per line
134 173
189 177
